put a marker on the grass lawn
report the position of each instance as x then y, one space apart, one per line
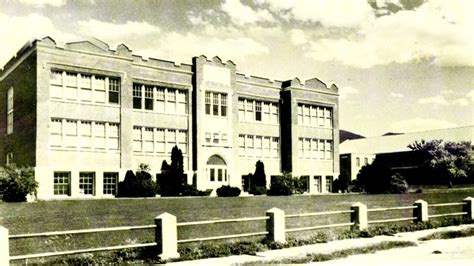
47 216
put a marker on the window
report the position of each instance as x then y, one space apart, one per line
99 135
148 98
85 93
224 138
274 113
56 84
137 139
266 147
215 138
148 139
110 183
62 183
275 147
170 139
358 162
366 161
241 145
71 86
160 140
182 141
99 89
317 183
85 133
328 118
266 113
182 102
300 148
113 136
219 174
215 104
208 102
86 183
114 90
314 148
10 102
171 103
258 146
249 145
249 106
321 149
300 114
70 133
314 116
208 137
306 115
160 100
329 180
212 175
320 116
241 106
137 97
258 111
223 105
328 149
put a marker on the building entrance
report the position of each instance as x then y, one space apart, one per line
216 170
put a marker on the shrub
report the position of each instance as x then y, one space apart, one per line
190 190
301 185
228 191
398 184
258 182
18 183
139 185
282 185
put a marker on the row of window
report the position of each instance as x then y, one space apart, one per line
317 181
159 99
87 183
217 174
259 111
216 138
84 134
159 140
366 161
259 146
314 116
315 149
84 87
218 105
10 110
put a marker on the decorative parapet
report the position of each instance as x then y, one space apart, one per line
258 80
311 84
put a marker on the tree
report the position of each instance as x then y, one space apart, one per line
139 184
282 185
18 183
258 184
374 178
173 180
443 162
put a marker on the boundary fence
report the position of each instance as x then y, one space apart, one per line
166 228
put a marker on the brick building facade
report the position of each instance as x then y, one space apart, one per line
83 114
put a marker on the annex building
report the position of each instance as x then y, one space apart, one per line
83 114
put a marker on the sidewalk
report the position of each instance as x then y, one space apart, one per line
331 247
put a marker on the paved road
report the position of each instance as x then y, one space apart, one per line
450 252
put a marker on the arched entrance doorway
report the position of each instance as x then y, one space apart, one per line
216 170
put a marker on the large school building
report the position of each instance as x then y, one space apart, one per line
83 114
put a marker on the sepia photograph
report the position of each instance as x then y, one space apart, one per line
237 132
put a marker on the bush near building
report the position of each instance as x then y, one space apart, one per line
377 178
258 181
282 185
17 183
228 191
139 184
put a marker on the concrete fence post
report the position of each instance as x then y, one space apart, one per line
469 208
420 213
166 236
4 247
276 225
359 216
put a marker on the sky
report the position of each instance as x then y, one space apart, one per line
400 65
